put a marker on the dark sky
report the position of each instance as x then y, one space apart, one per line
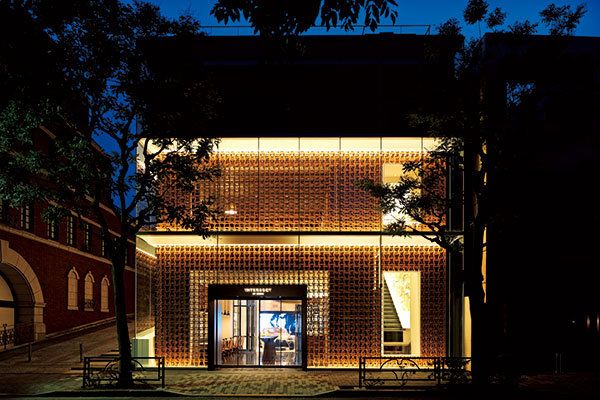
424 11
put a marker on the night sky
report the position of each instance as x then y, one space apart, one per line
424 11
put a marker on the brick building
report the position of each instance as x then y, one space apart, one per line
54 277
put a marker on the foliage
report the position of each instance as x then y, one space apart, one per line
98 87
292 17
523 28
466 118
99 54
418 200
561 20
475 11
449 28
495 18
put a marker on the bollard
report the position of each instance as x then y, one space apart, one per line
558 369
80 352
29 352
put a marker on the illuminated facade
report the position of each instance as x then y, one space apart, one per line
299 271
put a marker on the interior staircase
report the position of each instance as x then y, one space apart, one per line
391 322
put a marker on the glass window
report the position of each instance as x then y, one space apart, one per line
53 230
71 231
401 304
89 292
72 283
27 217
104 294
3 210
392 174
103 247
87 236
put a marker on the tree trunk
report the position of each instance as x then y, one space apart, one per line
479 359
473 258
125 370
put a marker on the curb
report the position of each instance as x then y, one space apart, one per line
101 393
157 393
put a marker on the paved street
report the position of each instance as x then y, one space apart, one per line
51 370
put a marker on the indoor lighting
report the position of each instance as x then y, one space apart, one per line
231 211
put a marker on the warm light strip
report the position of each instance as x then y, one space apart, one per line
303 240
318 144
420 244
325 144
146 253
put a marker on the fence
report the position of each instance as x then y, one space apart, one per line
102 371
12 335
393 372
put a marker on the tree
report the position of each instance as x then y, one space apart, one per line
475 12
466 135
99 87
418 201
561 20
273 18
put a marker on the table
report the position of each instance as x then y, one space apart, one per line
268 357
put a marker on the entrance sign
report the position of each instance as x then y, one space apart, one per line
257 291
252 291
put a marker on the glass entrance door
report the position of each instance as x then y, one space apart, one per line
258 332
279 329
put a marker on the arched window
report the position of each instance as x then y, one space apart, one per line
104 294
88 293
72 283
7 305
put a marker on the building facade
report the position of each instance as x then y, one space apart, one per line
54 277
299 270
300 255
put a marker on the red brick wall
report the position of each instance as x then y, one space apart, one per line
51 264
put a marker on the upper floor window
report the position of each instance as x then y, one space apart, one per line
393 174
53 230
27 217
72 283
87 236
104 294
3 210
71 231
88 293
103 247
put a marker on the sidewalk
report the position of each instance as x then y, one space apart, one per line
51 366
51 370
277 381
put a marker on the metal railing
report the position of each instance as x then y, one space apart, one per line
15 334
247 30
89 304
103 371
394 372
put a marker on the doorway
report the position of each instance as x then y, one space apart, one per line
267 331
